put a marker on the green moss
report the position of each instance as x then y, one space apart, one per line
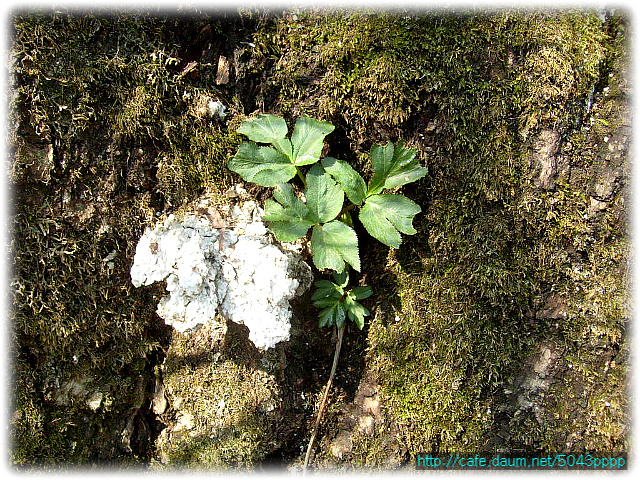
566 52
493 246
63 291
99 101
197 161
443 358
63 90
52 424
588 410
101 111
371 71
233 407
377 451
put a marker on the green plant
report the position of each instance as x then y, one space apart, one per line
338 302
321 208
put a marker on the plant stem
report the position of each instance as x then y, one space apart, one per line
323 403
346 209
301 176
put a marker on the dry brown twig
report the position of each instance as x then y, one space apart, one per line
323 403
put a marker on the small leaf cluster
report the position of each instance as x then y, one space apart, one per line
321 206
338 303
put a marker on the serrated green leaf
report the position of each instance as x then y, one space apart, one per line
351 181
283 145
360 293
324 196
262 165
289 219
384 216
325 302
326 289
393 166
333 244
325 284
284 226
264 128
356 311
307 140
288 199
333 315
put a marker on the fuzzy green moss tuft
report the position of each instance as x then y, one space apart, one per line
99 101
231 407
494 246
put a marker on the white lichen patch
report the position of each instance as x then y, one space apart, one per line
235 271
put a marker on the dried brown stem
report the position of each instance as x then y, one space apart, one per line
323 403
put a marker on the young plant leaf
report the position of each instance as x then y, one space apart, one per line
262 165
307 140
283 145
264 128
384 216
326 294
325 288
351 181
331 298
333 244
326 291
290 218
356 311
324 196
393 166
360 293
325 302
342 279
333 315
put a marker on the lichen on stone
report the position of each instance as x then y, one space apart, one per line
237 272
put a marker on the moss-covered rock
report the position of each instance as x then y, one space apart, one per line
224 411
522 119
497 244
99 102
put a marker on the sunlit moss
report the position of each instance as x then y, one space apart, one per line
491 245
103 98
233 409
196 163
96 96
